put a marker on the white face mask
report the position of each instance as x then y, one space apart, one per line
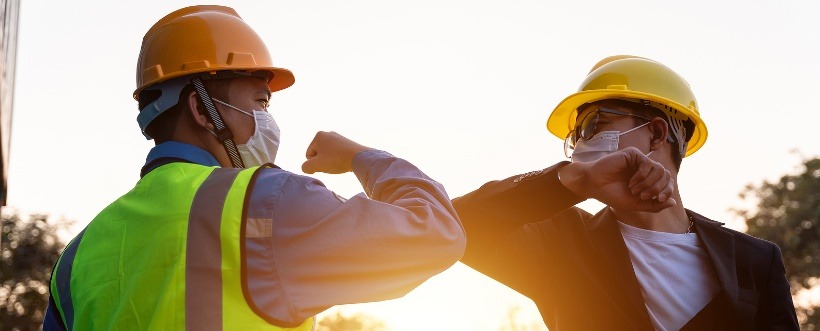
261 148
600 145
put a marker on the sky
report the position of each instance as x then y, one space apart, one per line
460 88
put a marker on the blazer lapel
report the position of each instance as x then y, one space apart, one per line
720 245
624 287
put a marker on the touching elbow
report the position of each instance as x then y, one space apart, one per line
454 243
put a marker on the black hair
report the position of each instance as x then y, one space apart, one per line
162 128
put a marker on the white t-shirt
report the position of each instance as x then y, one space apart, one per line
676 275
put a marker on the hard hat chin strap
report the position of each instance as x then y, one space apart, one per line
222 132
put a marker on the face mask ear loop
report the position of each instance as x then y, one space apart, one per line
633 129
223 134
232 107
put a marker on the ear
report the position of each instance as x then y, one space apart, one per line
660 132
197 111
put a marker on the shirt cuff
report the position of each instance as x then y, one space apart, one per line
362 164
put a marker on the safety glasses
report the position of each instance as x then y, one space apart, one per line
588 126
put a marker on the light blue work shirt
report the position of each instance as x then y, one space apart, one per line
323 250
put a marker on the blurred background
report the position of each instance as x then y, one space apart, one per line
460 88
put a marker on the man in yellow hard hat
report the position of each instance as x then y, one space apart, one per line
643 262
214 236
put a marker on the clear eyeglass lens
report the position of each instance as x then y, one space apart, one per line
588 125
569 144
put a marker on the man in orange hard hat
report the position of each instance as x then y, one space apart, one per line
643 262
214 236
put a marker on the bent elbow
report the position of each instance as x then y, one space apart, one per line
453 241
459 245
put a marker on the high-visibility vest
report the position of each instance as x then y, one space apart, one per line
167 255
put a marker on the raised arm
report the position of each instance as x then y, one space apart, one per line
500 216
330 251
498 208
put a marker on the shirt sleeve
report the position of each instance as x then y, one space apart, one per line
776 308
498 208
329 251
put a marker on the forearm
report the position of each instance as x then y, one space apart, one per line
500 207
337 252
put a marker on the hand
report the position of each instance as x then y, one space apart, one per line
331 153
626 179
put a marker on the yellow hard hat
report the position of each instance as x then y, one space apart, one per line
633 78
204 39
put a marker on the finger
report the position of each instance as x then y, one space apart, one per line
311 152
653 185
312 148
663 205
655 205
657 188
645 166
667 191
648 173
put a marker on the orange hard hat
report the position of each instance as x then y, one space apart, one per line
204 39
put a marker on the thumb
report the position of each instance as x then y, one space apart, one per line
309 166
653 205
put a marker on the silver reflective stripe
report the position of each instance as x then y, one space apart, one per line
258 228
203 264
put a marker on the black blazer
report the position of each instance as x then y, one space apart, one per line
525 233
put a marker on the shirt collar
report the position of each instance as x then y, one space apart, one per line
174 151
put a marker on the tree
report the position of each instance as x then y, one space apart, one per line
29 250
357 322
788 214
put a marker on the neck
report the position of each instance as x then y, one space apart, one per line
672 220
195 135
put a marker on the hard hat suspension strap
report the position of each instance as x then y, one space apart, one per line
675 120
223 133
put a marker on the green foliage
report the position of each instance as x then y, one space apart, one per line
788 214
357 322
29 250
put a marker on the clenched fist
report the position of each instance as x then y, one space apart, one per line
626 179
331 153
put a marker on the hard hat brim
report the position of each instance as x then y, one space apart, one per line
281 78
562 119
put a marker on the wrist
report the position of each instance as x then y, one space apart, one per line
572 177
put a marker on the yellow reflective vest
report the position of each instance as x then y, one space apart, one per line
168 255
